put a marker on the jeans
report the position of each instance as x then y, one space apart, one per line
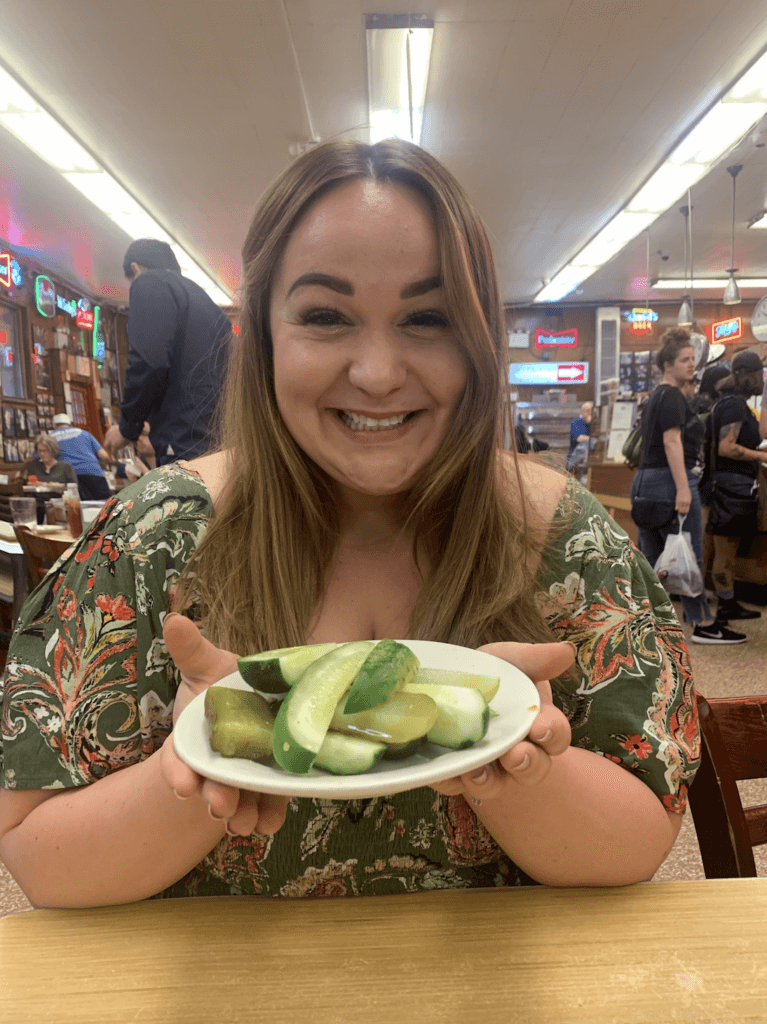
659 484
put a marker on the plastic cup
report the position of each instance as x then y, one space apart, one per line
24 511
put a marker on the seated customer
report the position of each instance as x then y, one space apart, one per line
360 492
48 469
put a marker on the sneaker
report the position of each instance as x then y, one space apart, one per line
716 634
733 610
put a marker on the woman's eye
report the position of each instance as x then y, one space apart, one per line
322 318
428 318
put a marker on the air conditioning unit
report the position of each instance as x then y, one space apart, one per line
607 354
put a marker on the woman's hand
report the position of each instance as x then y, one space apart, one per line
527 762
683 501
201 664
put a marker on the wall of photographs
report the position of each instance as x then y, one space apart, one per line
638 374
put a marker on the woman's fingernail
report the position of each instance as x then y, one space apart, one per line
229 831
480 778
179 796
215 817
545 738
571 644
523 764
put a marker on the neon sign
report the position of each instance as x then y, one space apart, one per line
641 320
17 273
549 373
45 296
5 269
548 339
66 305
99 344
726 331
84 316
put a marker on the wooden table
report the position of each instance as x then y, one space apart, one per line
667 953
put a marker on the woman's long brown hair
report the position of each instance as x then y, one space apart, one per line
259 573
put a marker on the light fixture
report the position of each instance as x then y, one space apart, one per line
676 284
398 55
685 310
35 127
732 292
720 128
759 221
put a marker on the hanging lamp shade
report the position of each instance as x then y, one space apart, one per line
731 291
685 313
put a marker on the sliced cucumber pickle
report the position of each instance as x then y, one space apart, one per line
388 667
404 717
463 716
488 686
399 751
276 671
348 755
241 723
306 712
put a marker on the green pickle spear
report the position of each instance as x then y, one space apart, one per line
388 667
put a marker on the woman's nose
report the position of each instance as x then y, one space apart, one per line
378 364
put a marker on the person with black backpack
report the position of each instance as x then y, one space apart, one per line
665 487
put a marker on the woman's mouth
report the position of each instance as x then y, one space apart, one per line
355 421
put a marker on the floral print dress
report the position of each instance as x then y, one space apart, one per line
89 689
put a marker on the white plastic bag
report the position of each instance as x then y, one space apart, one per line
677 567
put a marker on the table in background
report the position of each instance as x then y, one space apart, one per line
667 952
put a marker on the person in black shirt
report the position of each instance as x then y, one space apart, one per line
673 438
178 344
735 431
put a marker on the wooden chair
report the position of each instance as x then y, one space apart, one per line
734 748
14 489
41 551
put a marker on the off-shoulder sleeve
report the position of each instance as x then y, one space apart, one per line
89 685
634 698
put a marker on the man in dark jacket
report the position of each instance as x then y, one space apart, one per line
178 342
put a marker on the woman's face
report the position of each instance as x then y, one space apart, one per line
367 370
44 454
683 367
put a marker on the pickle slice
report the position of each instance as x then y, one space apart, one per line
404 717
241 723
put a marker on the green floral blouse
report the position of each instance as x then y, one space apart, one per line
89 689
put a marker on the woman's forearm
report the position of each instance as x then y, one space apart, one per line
589 823
118 840
675 457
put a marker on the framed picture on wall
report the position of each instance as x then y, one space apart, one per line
9 422
32 422
11 451
21 423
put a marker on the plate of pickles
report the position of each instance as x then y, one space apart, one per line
355 720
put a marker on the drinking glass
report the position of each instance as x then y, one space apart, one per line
24 512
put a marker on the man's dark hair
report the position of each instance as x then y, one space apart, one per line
151 254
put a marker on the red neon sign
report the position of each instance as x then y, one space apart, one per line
723 332
549 339
5 269
84 320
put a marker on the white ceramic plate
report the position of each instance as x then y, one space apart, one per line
517 703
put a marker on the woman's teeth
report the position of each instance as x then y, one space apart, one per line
366 423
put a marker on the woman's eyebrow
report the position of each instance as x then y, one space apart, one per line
338 284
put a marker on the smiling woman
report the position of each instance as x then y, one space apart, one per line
361 492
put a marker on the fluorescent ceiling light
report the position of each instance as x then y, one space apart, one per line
398 52
621 229
567 279
759 221
724 124
22 115
704 283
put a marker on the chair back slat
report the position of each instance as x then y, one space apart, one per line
41 551
734 745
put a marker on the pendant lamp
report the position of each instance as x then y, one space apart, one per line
731 291
685 310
